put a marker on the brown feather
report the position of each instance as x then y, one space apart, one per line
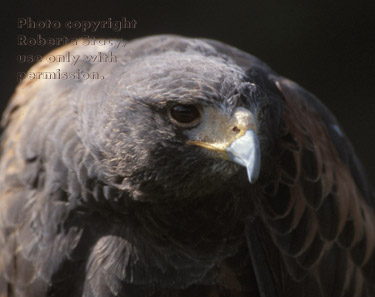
327 189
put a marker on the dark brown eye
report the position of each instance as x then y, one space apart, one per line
185 115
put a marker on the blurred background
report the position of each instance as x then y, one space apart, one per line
328 47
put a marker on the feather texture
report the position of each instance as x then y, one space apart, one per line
101 196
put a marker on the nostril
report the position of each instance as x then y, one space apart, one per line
235 129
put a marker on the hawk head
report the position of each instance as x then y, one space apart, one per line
175 124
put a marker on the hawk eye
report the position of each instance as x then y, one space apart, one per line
185 115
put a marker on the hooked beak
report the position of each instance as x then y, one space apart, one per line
234 139
245 151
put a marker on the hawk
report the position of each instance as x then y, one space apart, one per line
185 168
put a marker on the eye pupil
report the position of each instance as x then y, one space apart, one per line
185 114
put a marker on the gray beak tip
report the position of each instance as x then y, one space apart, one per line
245 151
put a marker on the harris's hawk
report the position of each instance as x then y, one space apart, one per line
184 168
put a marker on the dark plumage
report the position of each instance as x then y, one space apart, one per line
125 186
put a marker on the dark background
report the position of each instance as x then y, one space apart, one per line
327 47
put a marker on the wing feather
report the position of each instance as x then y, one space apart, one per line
321 217
33 191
